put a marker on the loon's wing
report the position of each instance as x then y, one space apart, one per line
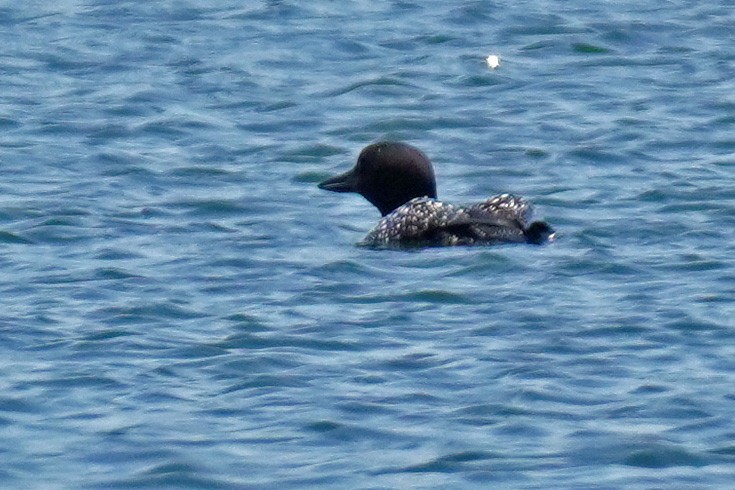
503 218
469 229
500 219
505 206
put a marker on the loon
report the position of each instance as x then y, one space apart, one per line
398 179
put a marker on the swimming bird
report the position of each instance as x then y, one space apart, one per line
398 179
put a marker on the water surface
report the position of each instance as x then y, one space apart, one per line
180 306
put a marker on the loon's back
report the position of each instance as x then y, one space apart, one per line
428 222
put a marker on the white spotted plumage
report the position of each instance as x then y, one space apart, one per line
424 221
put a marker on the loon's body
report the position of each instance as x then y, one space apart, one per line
399 180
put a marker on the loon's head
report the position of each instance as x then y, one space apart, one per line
388 174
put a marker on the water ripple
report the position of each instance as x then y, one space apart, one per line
183 307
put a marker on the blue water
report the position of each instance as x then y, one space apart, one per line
181 307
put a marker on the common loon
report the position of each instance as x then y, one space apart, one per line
398 179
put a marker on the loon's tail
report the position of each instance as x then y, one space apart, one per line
539 232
